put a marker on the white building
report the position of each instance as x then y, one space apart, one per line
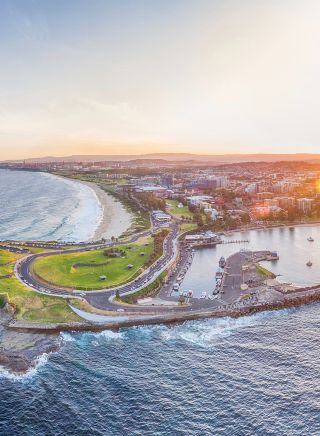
252 188
203 237
160 216
304 204
212 212
199 200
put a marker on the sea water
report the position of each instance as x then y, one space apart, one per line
256 375
41 206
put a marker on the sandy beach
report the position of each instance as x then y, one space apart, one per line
115 220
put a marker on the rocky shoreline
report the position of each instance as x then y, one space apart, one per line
21 344
20 351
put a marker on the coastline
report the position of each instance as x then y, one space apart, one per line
115 218
271 226
291 301
34 341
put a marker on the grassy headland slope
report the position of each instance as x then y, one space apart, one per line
29 305
84 270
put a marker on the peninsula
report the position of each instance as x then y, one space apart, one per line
135 278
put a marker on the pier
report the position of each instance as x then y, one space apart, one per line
236 241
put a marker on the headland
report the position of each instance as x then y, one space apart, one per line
109 284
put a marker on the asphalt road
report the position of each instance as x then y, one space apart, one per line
101 298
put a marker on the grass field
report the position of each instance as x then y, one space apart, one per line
186 227
63 270
29 305
264 272
178 211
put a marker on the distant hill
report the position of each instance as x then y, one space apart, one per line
183 157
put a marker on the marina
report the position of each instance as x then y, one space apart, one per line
292 249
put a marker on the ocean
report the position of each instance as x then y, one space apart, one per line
42 206
256 375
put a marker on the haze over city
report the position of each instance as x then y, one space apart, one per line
110 77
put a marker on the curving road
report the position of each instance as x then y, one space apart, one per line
101 298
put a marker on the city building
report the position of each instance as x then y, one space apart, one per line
160 216
304 204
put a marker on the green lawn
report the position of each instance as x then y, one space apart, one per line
264 272
29 305
62 269
177 211
186 227
7 260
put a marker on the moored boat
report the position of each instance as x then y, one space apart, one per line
219 274
222 262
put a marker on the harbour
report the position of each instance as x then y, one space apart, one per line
293 248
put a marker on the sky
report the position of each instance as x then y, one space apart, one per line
141 76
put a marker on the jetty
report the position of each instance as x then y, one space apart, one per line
236 241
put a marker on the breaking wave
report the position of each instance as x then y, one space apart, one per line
203 333
50 207
32 371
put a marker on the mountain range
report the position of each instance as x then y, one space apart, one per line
218 159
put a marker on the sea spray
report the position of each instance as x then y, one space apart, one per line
146 383
204 333
29 374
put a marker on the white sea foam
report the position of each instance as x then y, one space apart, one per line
17 377
67 337
50 207
210 332
109 335
88 213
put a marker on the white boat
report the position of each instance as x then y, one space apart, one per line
310 239
219 273
222 262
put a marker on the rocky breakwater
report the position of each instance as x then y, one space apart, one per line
20 352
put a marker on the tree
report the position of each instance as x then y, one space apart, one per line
282 215
181 300
245 218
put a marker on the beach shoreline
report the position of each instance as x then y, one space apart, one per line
115 219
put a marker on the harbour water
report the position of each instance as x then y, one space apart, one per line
37 205
256 375
293 248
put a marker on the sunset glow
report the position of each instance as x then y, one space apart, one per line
136 77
